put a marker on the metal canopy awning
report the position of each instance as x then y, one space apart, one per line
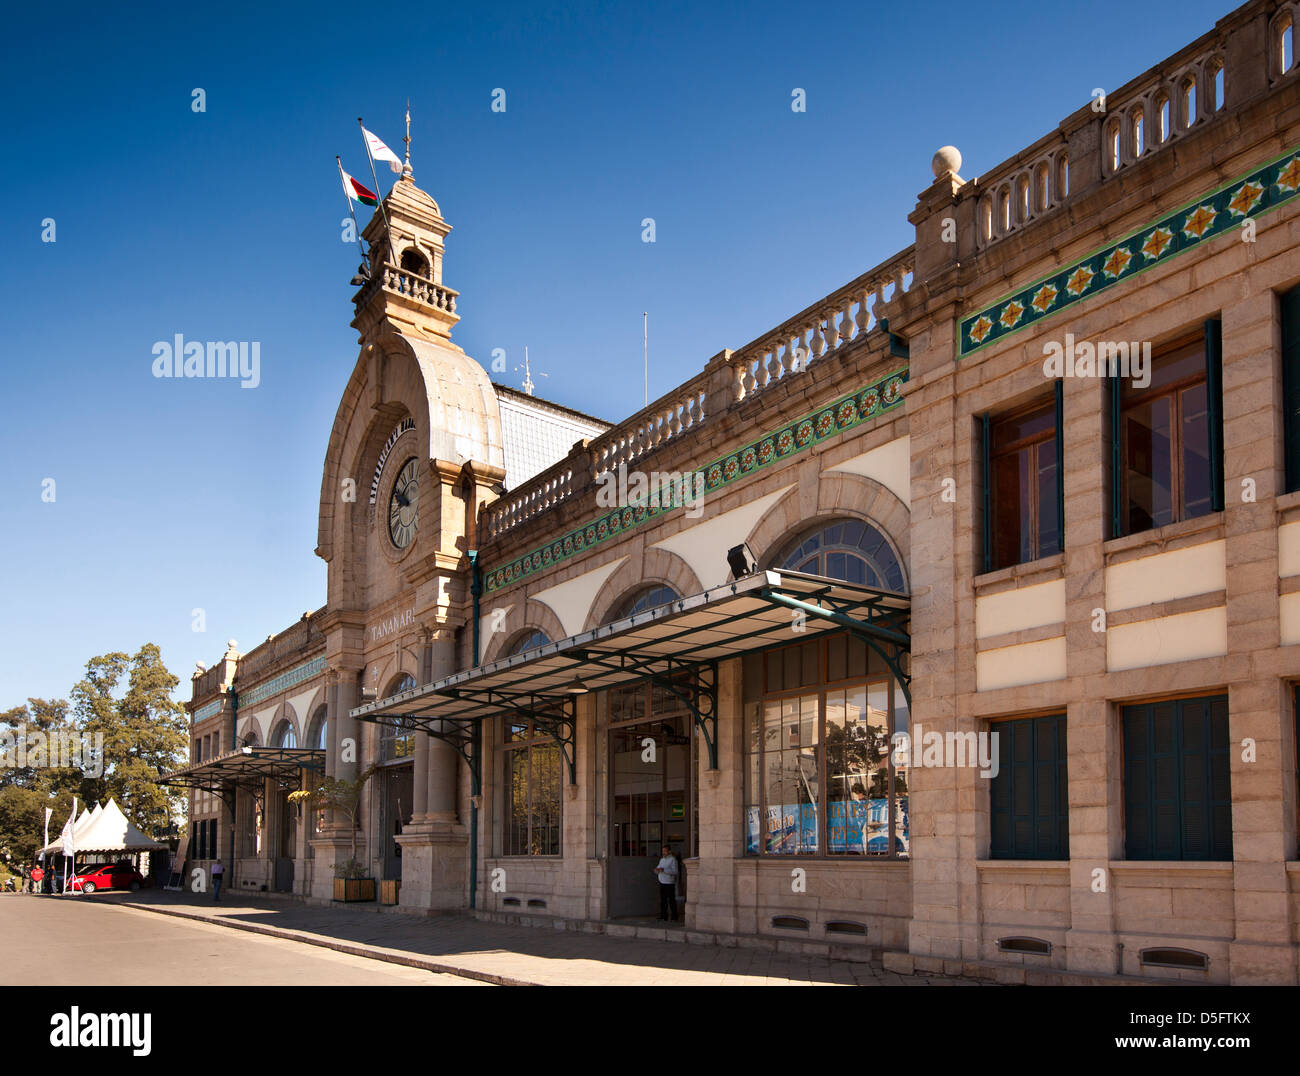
248 768
692 634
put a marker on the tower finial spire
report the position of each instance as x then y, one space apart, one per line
406 167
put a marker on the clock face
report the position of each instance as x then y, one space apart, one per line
403 504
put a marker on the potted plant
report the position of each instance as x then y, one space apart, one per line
351 882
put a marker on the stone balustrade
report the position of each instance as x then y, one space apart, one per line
817 332
821 329
1195 86
422 289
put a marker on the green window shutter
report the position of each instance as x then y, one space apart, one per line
1291 386
986 437
1137 784
1177 798
1214 402
1029 810
1060 464
1116 460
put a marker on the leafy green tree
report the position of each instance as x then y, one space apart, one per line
146 733
50 719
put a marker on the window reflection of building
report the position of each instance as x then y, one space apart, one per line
530 790
821 773
397 741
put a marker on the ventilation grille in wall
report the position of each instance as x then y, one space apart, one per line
1175 958
843 926
511 902
535 903
789 922
1024 945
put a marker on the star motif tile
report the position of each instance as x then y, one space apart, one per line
1011 314
1117 262
1157 242
1079 280
1044 297
1199 221
981 329
1246 199
1288 179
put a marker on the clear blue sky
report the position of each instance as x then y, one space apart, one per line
225 225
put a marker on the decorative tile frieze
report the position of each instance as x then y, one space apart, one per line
794 437
285 680
1219 211
207 710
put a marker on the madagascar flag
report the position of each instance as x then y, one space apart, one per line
353 189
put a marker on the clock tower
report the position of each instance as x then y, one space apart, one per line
415 451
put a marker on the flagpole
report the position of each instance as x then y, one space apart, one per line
355 226
387 231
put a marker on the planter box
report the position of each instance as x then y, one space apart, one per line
354 889
389 890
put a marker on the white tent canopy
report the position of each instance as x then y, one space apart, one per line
106 829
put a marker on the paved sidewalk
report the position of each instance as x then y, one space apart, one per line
512 955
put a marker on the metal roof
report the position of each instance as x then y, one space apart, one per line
753 613
248 766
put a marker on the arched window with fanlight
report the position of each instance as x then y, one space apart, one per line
644 600
849 549
397 741
285 736
820 719
530 639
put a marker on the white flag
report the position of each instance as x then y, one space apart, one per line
381 152
49 811
69 842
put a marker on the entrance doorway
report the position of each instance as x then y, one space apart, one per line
653 793
398 792
283 848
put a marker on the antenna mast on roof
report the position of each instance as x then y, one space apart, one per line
529 384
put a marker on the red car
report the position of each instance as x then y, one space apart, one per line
106 876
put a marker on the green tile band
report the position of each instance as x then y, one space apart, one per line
791 439
1218 212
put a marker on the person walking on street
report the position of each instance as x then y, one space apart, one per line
666 872
217 872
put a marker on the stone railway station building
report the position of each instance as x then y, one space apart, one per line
953 497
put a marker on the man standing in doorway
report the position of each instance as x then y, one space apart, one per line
217 872
666 872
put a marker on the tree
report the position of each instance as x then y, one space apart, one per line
146 733
339 794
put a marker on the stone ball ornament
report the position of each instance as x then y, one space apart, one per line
946 159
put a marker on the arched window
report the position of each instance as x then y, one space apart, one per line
1063 176
1216 85
528 640
1285 45
318 736
250 737
1022 197
986 217
1113 148
1187 94
1043 177
287 737
412 262
397 741
1137 124
1004 210
645 599
1164 118
850 550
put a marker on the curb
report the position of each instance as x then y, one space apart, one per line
390 956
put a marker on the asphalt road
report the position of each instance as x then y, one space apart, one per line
75 941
